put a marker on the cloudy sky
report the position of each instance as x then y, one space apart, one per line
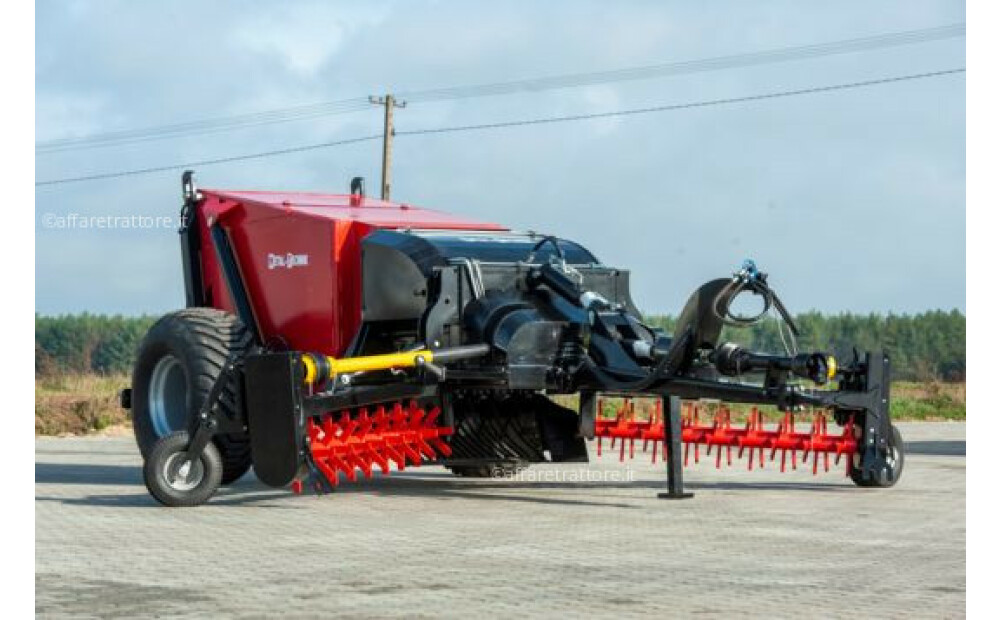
852 200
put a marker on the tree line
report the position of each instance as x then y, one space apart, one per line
925 346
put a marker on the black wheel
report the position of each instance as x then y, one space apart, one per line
178 361
174 480
891 474
499 469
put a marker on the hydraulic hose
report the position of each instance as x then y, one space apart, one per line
551 239
749 279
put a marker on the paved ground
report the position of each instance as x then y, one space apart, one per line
428 544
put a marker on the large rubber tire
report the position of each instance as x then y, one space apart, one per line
172 482
178 361
886 478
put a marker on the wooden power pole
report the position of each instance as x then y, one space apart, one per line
390 103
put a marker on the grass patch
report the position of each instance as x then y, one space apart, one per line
928 401
78 403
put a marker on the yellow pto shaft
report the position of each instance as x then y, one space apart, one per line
319 367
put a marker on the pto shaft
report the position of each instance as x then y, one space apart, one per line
319 368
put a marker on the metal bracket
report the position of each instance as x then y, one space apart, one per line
191 242
874 445
206 424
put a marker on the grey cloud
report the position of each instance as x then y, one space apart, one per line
852 200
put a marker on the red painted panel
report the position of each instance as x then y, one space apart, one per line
377 213
300 256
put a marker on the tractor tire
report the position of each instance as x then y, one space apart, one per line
172 480
499 469
891 475
178 361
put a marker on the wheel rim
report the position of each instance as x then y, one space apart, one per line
892 460
168 409
181 473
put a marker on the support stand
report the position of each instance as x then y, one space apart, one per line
672 449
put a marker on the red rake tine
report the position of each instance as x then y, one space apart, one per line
815 435
412 453
791 430
729 445
362 459
329 473
416 415
654 422
395 456
345 465
432 416
347 425
759 428
379 458
425 448
364 423
439 445
329 428
619 420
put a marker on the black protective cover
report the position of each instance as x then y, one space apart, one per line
274 415
399 268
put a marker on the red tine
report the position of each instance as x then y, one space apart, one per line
751 439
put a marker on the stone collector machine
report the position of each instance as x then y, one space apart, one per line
331 336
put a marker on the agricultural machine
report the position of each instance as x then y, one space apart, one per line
329 336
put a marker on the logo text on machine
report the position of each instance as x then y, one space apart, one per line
287 261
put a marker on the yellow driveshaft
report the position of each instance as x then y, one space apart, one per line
319 367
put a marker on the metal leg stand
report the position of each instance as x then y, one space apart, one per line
672 450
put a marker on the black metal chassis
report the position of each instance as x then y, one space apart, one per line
275 404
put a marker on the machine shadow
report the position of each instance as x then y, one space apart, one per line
424 483
444 485
80 473
936 448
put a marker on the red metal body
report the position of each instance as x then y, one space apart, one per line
300 258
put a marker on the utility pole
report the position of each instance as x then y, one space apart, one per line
390 103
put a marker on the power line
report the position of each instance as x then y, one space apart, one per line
209 162
717 63
346 106
206 126
681 106
517 123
